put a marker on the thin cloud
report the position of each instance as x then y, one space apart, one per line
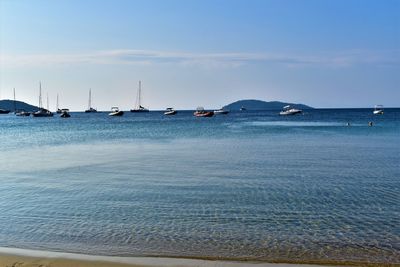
150 57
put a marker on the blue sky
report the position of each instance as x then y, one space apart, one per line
209 53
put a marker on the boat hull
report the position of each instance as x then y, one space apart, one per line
221 112
23 114
378 112
139 110
3 111
42 113
169 113
115 114
203 114
290 112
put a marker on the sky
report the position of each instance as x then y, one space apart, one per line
187 53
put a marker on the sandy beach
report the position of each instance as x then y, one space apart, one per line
11 257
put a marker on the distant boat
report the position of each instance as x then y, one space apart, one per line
116 112
243 108
22 112
42 112
138 105
378 110
4 111
287 110
221 111
19 112
90 109
200 112
170 111
59 111
65 113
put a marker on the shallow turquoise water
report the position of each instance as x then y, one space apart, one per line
248 185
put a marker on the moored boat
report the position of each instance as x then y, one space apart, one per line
116 112
288 110
22 112
200 112
138 105
90 109
378 110
4 111
42 112
58 110
221 111
170 111
65 113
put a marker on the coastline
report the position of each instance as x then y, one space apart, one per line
16 257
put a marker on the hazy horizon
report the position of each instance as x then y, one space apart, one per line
337 54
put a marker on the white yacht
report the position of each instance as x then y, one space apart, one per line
116 112
378 110
221 111
170 111
288 110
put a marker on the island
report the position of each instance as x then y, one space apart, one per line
253 104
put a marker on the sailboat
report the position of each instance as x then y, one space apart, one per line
138 105
42 112
19 112
59 111
90 109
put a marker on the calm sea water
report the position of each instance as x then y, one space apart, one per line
249 185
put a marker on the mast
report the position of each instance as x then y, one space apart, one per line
90 99
15 104
57 103
47 101
140 94
40 95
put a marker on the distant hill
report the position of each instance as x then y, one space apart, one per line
9 105
251 104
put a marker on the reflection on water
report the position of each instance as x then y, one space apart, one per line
145 185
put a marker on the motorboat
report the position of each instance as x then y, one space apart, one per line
65 113
116 112
378 110
90 109
4 111
221 111
138 105
42 113
170 111
200 112
243 108
22 112
288 110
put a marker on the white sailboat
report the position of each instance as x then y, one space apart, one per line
90 109
19 112
138 104
42 112
59 111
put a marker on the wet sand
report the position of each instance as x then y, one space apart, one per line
10 257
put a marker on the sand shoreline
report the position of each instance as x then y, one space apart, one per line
14 257
34 258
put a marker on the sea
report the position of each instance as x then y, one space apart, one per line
249 185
